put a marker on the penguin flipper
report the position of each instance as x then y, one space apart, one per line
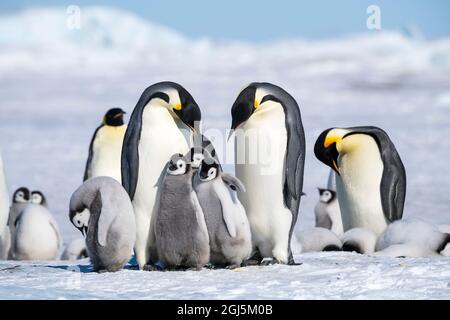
105 218
87 169
393 180
130 153
227 205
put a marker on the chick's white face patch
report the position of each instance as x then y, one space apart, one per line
81 219
36 198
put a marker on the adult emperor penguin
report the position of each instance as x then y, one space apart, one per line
181 233
20 200
228 227
5 237
105 149
371 181
102 211
37 235
161 125
270 166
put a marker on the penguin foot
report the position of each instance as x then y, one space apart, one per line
210 266
293 263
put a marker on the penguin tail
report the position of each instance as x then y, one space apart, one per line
444 243
350 246
332 247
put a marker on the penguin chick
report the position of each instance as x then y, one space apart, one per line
37 197
102 211
75 250
403 250
328 214
20 200
413 233
228 226
180 229
319 239
37 235
359 240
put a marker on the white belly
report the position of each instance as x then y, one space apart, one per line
358 189
36 239
107 152
260 166
160 139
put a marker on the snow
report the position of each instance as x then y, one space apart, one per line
56 84
323 275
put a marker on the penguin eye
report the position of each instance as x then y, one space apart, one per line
77 222
180 164
212 172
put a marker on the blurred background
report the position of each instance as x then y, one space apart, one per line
348 63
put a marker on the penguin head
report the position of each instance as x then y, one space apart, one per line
178 165
336 142
326 195
80 219
209 169
21 195
329 145
177 100
114 117
253 99
38 197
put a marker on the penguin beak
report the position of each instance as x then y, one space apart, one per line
230 134
189 113
243 108
172 166
326 151
84 231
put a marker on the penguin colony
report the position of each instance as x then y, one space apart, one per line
156 189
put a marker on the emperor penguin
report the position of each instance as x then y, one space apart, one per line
228 227
412 238
162 124
37 235
105 149
269 160
327 212
371 178
5 237
102 211
37 197
20 200
181 233
75 250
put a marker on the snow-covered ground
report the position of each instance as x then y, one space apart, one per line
321 276
56 83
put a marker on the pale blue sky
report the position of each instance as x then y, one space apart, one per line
263 20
